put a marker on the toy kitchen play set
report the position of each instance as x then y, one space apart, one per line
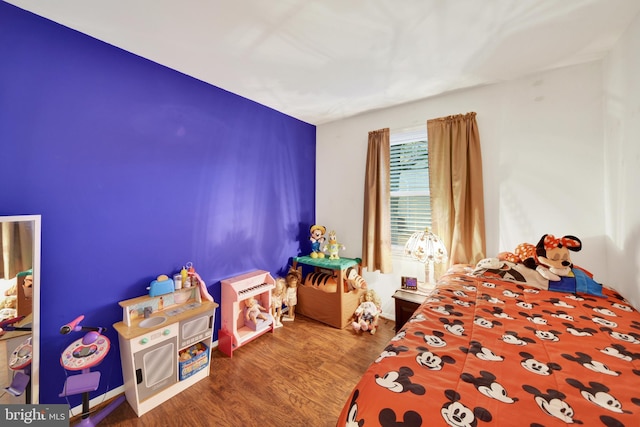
165 340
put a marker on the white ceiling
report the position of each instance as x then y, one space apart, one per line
324 60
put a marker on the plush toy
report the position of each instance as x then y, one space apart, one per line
9 302
488 264
367 313
12 290
317 239
333 247
8 308
354 280
507 266
7 313
552 259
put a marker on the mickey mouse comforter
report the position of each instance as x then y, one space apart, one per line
485 351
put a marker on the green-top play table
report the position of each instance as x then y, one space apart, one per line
333 308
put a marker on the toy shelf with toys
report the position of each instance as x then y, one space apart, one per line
331 292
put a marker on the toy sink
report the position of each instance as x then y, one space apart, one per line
152 322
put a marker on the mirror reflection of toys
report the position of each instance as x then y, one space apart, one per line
9 300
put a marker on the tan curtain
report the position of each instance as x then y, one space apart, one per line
17 248
376 233
455 177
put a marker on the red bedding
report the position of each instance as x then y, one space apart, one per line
484 351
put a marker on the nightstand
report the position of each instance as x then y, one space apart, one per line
406 304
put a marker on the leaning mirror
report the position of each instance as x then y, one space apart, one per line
19 308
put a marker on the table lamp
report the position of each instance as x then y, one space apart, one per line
427 248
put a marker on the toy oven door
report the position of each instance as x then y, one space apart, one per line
196 329
156 367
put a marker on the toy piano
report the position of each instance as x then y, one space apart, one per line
235 290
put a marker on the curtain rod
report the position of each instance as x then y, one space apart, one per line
415 128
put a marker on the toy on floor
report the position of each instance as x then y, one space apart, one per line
277 299
367 313
292 280
82 355
317 239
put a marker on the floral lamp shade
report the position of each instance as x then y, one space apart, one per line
427 248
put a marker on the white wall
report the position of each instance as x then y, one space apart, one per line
542 147
622 161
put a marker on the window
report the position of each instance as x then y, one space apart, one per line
410 201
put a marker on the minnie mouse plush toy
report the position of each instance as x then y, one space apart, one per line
553 261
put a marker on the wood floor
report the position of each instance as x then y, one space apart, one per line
301 375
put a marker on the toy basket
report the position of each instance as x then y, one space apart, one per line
193 359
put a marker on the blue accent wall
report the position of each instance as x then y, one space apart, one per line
137 169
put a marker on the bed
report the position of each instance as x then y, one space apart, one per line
497 346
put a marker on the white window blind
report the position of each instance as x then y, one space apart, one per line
410 201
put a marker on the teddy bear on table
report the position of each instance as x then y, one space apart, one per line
367 313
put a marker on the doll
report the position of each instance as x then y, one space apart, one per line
277 299
317 239
254 310
366 315
292 280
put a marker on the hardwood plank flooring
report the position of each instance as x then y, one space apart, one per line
300 375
